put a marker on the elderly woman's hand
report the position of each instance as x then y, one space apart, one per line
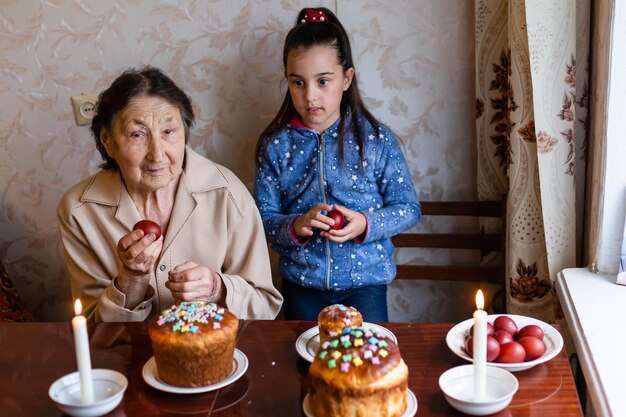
138 252
192 282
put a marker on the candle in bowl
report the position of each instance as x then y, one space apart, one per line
83 358
480 348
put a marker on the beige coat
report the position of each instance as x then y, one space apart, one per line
214 223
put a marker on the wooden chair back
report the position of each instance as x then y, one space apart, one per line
483 242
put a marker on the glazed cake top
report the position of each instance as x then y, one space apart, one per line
194 316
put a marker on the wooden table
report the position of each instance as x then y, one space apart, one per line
35 354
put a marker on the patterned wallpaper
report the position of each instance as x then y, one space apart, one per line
415 61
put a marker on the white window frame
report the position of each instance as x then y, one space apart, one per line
593 304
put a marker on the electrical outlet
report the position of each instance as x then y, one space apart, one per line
84 108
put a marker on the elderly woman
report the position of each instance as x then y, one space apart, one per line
213 246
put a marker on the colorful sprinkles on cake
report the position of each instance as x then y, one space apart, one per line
350 313
187 315
346 314
373 341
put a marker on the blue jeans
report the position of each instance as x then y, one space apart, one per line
302 303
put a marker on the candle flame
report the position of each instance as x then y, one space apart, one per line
78 307
480 300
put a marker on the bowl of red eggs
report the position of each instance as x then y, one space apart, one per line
514 342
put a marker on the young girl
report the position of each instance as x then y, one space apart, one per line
324 150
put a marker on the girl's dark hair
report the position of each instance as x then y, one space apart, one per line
147 81
307 35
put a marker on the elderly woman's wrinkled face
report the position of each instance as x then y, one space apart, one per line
148 143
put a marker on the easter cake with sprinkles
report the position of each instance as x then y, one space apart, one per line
332 319
194 343
358 373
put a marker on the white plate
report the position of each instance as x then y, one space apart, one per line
552 339
309 341
108 391
457 384
150 375
411 405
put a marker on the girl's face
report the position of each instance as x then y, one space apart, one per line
316 84
148 143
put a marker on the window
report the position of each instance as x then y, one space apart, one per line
594 305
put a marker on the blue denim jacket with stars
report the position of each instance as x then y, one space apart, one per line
301 168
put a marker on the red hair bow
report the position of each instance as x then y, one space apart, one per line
314 16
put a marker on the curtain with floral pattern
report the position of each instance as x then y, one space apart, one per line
531 103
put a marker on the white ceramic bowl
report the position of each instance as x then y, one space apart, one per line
457 385
108 387
552 339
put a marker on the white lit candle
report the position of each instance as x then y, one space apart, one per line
83 358
480 348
